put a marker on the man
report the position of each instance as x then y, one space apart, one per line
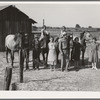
36 52
44 32
63 31
64 50
25 40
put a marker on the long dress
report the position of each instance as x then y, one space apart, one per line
76 51
52 55
93 57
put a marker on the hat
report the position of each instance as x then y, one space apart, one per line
64 27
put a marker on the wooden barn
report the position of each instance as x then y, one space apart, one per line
12 21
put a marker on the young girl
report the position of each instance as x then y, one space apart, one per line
76 52
94 53
52 55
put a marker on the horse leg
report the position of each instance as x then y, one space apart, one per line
46 65
57 56
33 56
72 55
12 58
43 54
83 57
7 51
46 56
27 58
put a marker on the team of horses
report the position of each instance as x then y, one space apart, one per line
14 43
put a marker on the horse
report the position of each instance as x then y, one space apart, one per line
13 43
84 38
44 40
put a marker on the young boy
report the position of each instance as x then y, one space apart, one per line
36 52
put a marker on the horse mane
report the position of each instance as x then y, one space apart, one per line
82 35
18 38
56 39
17 35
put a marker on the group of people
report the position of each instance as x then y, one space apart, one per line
68 50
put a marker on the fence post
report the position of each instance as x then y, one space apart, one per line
21 65
7 78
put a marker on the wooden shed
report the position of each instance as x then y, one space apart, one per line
12 21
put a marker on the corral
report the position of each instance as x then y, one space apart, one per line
85 79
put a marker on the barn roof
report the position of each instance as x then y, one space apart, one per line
3 7
6 6
32 21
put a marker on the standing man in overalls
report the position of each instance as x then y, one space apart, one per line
64 51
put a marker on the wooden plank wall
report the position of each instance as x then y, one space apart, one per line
11 22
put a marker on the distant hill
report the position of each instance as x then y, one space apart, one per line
70 29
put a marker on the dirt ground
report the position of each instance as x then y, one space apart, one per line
85 79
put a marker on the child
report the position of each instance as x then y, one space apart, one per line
76 52
52 55
94 53
36 52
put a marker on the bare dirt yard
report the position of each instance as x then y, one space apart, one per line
85 79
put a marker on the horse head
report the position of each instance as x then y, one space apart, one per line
18 40
88 36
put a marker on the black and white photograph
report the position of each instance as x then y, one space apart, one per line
50 46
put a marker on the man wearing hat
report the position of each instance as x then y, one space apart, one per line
36 52
63 31
44 32
64 51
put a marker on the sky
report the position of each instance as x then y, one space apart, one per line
62 14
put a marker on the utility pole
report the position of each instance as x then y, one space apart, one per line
43 22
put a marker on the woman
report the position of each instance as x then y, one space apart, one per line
52 55
93 58
76 52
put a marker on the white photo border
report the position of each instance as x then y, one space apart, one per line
49 94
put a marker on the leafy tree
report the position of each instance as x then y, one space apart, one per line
77 26
90 27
